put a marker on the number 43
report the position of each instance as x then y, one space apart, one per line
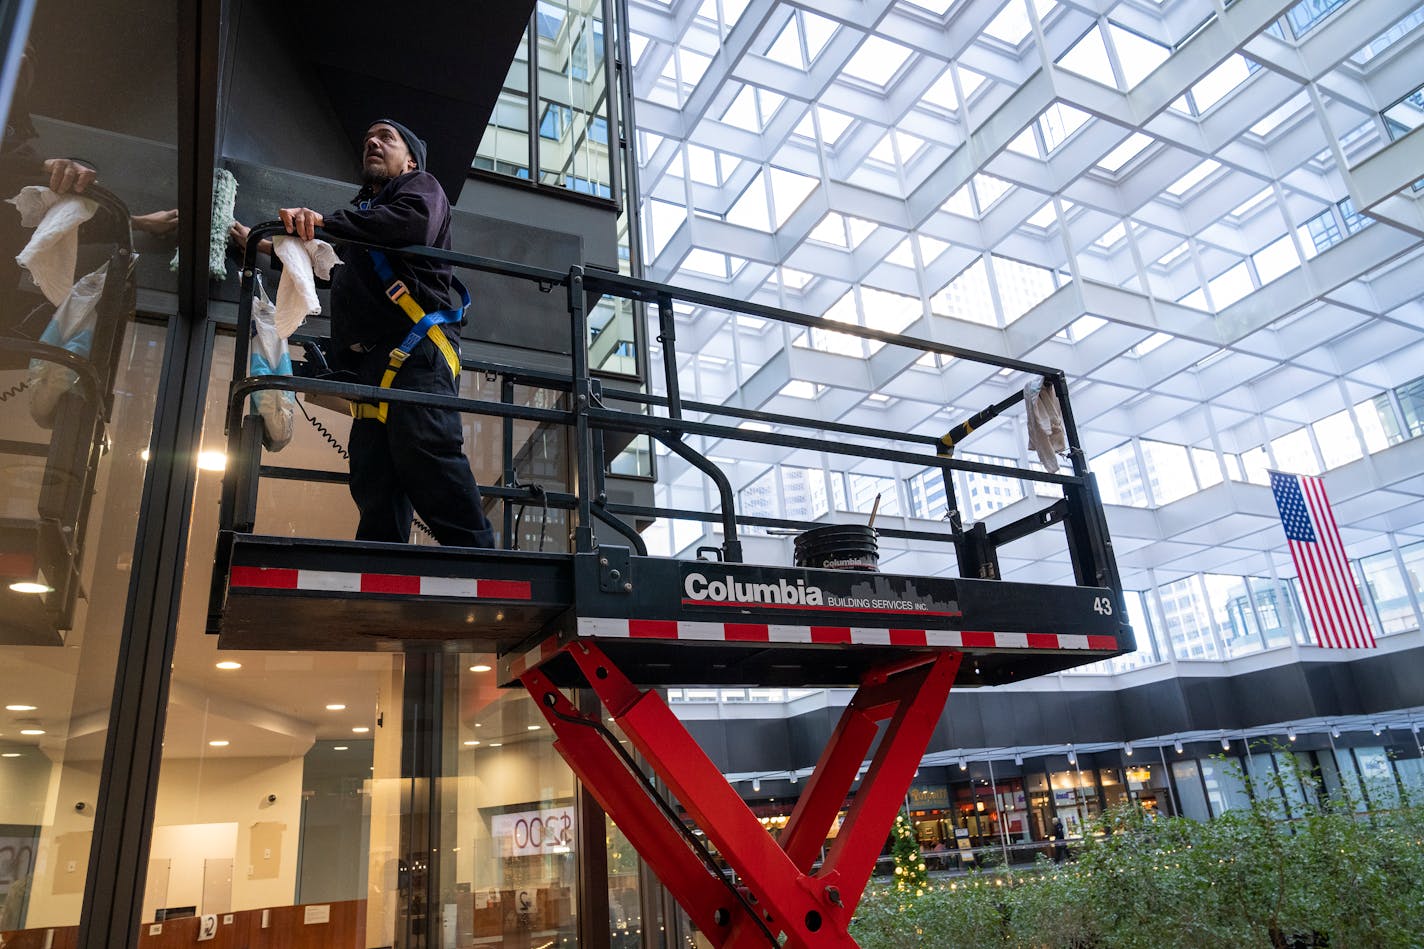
1102 606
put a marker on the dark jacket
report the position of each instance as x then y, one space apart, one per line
410 209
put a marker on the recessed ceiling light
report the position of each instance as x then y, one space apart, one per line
496 744
472 743
532 728
360 729
29 586
10 754
145 454
229 664
32 731
211 461
480 668
20 708
219 743
336 707
340 748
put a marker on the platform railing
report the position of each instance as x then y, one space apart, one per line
590 415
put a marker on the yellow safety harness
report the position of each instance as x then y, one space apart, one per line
426 325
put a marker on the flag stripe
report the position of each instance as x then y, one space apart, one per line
1332 598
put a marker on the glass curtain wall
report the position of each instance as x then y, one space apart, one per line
79 374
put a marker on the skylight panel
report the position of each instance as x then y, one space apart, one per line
742 114
1220 82
1150 343
1252 203
1011 25
1045 217
833 124
941 92
1021 286
969 81
750 209
877 61
1181 104
1085 326
1058 123
909 145
1276 259
1172 256
989 189
789 191
1111 236
1278 116
930 248
693 66
786 49
1089 58
702 165
1192 178
889 312
1138 55
860 229
1025 144
903 255
1131 147
800 389
818 32
795 279
637 46
884 150
967 297
960 203
711 264
1230 285
937 7
831 230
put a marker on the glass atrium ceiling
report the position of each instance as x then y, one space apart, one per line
1207 215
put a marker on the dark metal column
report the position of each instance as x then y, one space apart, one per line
118 858
593 918
422 754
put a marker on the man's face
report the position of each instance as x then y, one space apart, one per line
384 154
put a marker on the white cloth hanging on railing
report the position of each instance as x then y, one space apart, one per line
1046 437
303 262
53 250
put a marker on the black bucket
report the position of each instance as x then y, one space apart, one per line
839 547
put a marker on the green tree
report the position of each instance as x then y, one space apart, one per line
910 876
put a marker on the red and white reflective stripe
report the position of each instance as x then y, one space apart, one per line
331 581
522 663
596 627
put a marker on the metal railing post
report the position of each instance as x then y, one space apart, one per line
582 396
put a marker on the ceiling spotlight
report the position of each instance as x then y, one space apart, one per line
1334 731
336 707
360 729
30 586
793 777
1127 749
340 748
32 731
756 785
1225 743
1377 728
218 743
1018 759
1290 734
211 461
10 754
229 664
472 743
1072 756
1177 745
963 765
480 667
20 708
496 744
532 728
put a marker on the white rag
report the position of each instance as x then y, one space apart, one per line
53 250
302 262
1045 423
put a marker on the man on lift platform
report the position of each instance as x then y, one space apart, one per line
392 324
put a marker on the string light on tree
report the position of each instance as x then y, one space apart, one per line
910 876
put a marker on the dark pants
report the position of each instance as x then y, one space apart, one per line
415 460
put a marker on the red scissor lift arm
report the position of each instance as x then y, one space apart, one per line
780 898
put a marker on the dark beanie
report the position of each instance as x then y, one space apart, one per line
412 141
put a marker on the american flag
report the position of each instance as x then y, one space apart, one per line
1331 597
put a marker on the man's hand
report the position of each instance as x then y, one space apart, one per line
66 175
302 222
239 231
157 223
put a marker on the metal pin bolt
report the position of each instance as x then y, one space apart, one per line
628 588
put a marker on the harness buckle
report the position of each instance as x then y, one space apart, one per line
398 357
397 290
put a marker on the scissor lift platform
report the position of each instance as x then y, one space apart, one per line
661 620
